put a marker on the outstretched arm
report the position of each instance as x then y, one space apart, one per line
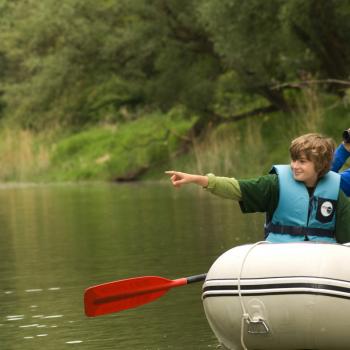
223 187
178 178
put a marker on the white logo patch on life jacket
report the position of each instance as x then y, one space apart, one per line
326 208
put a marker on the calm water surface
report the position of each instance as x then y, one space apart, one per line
57 240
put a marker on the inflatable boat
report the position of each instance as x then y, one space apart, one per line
280 296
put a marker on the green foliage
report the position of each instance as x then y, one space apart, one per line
80 61
270 42
321 31
145 147
249 38
228 100
83 63
61 53
250 147
124 151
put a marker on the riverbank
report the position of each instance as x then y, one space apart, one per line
143 148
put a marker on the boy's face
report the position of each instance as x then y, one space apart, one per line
304 170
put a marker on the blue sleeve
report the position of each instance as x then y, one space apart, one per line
345 182
340 157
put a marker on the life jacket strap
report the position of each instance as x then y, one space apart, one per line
298 230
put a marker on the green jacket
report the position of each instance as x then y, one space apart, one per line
261 195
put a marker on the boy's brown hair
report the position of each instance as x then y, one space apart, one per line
316 148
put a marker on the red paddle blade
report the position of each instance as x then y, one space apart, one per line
126 294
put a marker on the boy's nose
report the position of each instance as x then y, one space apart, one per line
295 164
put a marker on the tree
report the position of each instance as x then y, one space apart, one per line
322 29
82 61
75 59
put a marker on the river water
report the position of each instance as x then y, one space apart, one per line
57 240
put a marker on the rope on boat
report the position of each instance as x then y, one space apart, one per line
245 315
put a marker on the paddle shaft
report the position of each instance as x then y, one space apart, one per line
196 278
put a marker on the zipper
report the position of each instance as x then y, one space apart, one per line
311 206
311 200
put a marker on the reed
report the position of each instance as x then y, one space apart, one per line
158 142
22 158
250 147
230 150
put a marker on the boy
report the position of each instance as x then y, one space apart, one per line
302 201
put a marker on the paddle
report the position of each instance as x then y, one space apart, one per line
129 293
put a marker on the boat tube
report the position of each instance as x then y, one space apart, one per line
280 296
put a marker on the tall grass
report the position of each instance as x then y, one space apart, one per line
250 147
22 158
242 149
230 149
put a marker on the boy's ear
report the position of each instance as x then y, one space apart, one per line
321 172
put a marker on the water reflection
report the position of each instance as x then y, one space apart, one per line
56 240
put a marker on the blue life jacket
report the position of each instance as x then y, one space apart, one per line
300 217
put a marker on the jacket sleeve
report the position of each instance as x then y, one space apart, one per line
340 156
225 187
259 194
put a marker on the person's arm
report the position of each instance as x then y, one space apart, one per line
224 187
254 195
260 194
178 179
341 154
342 231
